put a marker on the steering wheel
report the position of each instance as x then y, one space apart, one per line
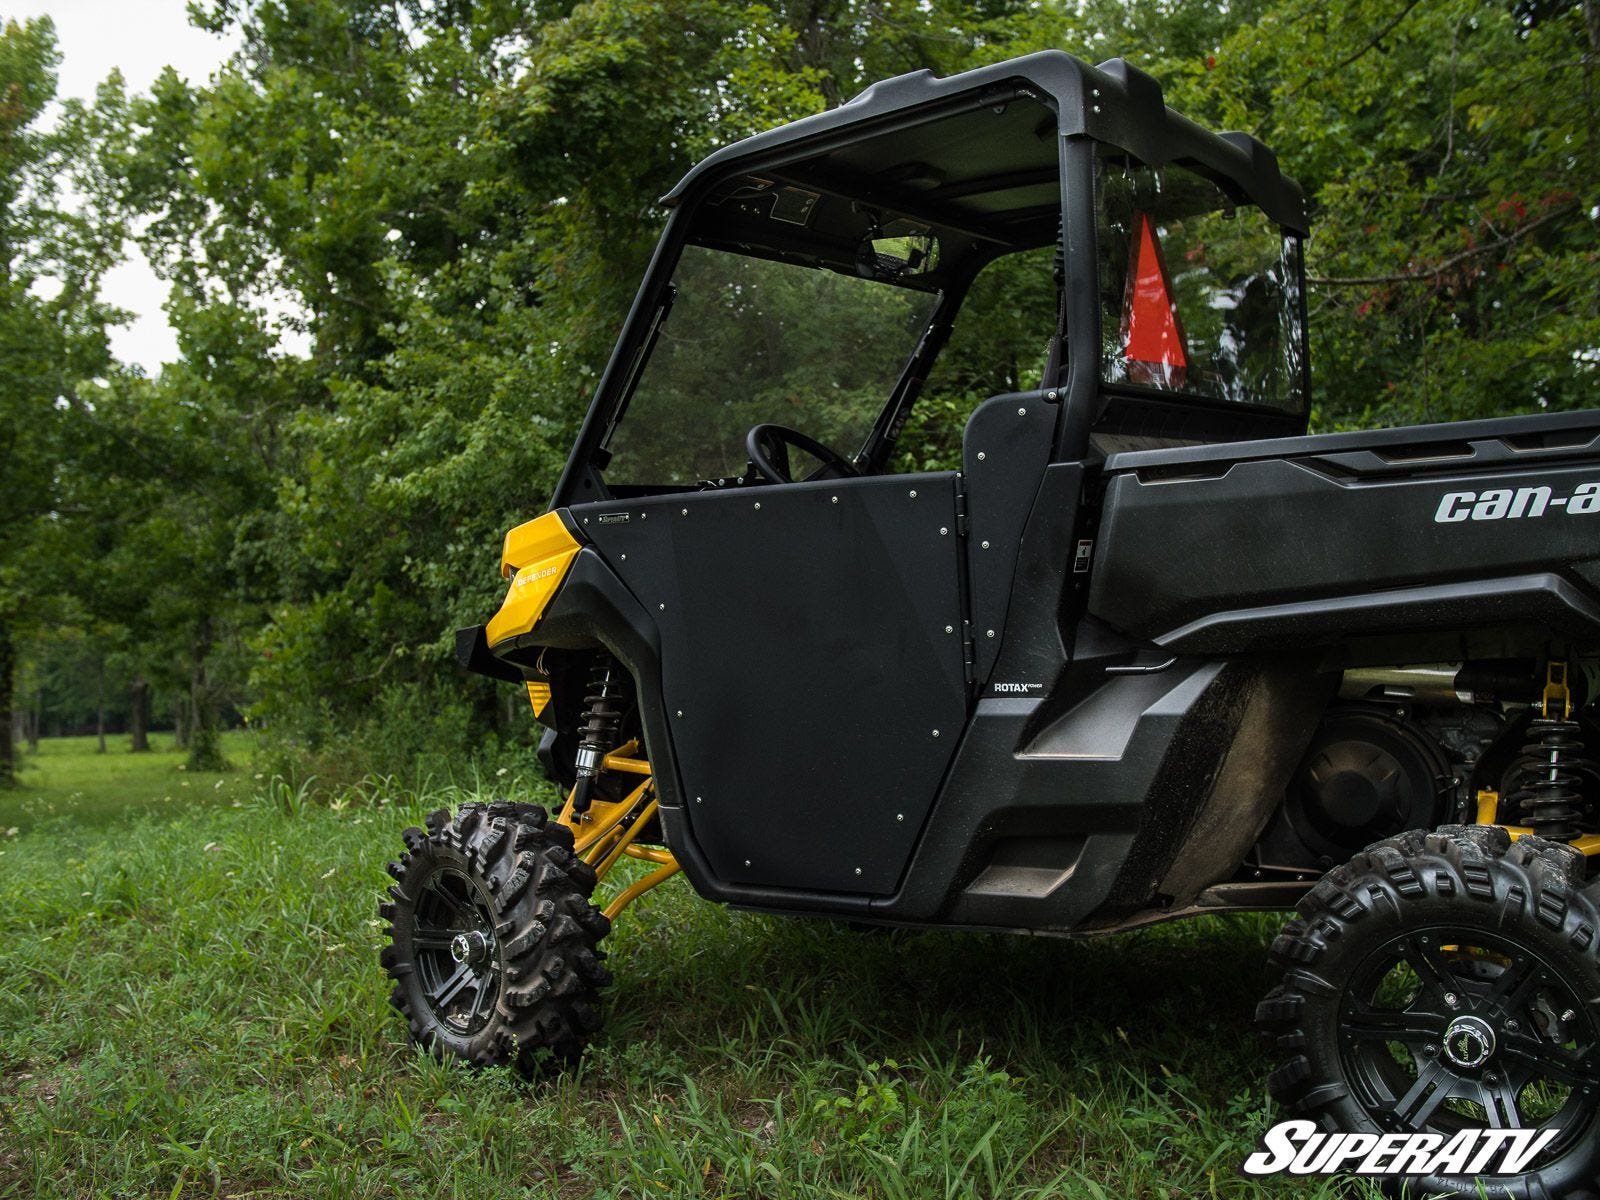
768 448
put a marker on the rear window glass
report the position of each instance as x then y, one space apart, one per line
1199 293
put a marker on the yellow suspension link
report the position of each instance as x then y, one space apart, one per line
638 888
606 832
1556 692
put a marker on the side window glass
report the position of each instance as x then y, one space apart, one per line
1000 343
755 341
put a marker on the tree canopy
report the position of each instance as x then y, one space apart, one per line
453 201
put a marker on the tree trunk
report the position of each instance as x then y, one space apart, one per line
139 715
100 705
180 724
35 719
8 744
205 745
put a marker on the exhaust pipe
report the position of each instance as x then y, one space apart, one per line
1506 679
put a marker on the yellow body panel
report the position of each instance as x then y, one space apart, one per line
539 552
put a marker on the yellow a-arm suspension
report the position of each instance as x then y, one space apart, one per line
607 831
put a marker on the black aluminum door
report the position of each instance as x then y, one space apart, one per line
812 666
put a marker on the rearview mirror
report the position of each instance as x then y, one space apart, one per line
897 250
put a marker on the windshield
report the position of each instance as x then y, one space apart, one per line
1198 293
750 341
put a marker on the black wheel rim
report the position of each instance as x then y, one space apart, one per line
457 955
1450 1028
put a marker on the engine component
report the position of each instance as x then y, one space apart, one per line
1464 734
1367 775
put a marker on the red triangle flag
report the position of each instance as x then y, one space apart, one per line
1152 336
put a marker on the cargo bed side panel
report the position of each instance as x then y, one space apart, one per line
1211 555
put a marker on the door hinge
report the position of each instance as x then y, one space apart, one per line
961 509
969 653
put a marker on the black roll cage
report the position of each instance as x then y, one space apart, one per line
1113 104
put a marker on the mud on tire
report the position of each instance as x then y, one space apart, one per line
1419 937
493 939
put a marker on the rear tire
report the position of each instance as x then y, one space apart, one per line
493 939
1399 964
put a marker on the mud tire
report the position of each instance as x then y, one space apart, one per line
526 993
1424 901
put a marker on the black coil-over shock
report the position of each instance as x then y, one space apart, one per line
1553 766
598 735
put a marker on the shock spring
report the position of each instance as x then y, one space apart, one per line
1553 765
1549 772
603 703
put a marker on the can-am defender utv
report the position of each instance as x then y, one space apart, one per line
1152 651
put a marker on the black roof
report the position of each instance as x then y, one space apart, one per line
1114 103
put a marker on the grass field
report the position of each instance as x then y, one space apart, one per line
190 1005
67 779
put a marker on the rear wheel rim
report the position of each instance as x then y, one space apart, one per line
1448 1028
457 954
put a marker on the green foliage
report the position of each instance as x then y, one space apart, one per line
1451 152
458 200
52 331
453 203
